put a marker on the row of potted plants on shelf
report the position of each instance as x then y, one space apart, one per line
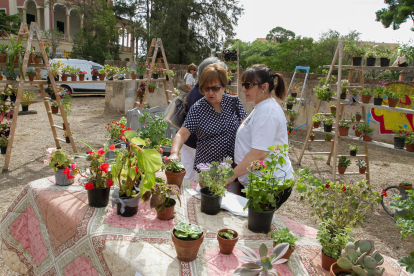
379 91
371 53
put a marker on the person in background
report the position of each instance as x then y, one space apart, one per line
213 119
188 150
189 76
264 127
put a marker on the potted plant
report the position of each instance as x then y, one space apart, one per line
136 164
406 185
140 94
151 87
3 144
110 71
333 110
12 57
356 52
12 92
81 75
324 92
393 98
361 258
407 51
261 264
296 89
161 200
362 165
27 97
31 73
122 72
316 119
284 236
62 164
227 239
358 116
140 71
379 91
229 74
312 136
114 131
55 107
409 142
154 71
371 56
3 52
366 95
344 126
292 115
290 102
262 180
367 132
175 172
327 123
37 57
358 129
343 163
353 93
353 150
328 137
213 176
94 73
101 73
187 239
399 138
384 55
65 72
153 130
74 72
344 90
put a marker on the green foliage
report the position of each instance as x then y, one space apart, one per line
3 141
185 230
344 162
263 186
13 51
214 175
282 236
407 262
175 166
54 37
344 123
361 163
328 120
397 13
292 113
280 35
160 196
291 100
354 148
392 95
317 118
9 23
114 129
366 92
3 49
409 139
406 221
354 50
364 128
328 137
154 129
229 234
58 159
379 91
332 238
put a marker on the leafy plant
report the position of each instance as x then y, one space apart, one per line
140 70
152 85
324 92
214 175
344 162
402 133
3 49
351 47
392 95
111 70
175 166
406 183
358 113
262 264
312 134
57 159
292 113
346 123
101 71
407 262
13 51
409 139
160 196
154 129
371 52
54 104
379 90
354 148
332 238
31 72
361 163
191 231
344 83
114 129
406 50
3 141
328 120
366 92
354 91
328 137
291 100
284 236
38 55
317 118
384 52
228 235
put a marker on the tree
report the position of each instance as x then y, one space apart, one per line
9 24
54 37
280 35
397 13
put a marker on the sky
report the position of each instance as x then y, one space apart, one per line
310 18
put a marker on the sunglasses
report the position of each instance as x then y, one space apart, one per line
215 89
249 85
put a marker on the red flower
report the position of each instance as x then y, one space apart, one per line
122 126
101 151
73 166
327 186
288 132
294 132
112 147
90 152
343 188
104 167
161 151
384 193
88 186
110 183
165 158
66 171
136 169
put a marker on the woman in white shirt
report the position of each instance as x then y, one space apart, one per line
264 127
189 76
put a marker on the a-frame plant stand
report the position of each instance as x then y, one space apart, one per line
156 45
24 33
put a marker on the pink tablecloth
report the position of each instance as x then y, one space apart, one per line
51 230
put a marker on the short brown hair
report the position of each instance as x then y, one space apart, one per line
212 73
190 67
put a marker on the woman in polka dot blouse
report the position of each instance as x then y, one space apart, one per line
213 119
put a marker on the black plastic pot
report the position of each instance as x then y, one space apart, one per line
141 77
67 140
98 198
3 97
384 62
129 211
356 61
371 61
155 76
343 96
404 64
94 77
259 222
167 78
229 83
233 71
289 106
13 98
294 94
25 108
3 150
352 152
377 101
210 205
327 128
399 143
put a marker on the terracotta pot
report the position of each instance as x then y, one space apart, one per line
3 57
141 101
31 77
358 118
393 102
65 77
409 147
1 77
55 109
169 211
358 133
341 170
336 269
37 60
316 124
327 261
362 170
328 140
175 178
81 78
343 131
405 187
227 246
312 138
292 119
333 110
366 138
151 90
73 78
9 78
366 98
101 76
186 250
134 76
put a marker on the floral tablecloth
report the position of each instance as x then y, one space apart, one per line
51 230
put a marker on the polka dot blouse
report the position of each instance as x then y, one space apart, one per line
216 132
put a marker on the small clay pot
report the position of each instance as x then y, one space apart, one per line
65 77
405 187
37 60
362 171
358 133
288 252
227 246
81 78
316 124
409 147
393 102
175 178
358 118
312 138
169 211
336 269
55 109
341 170
151 90
186 250
366 98
102 77
31 77
366 138
327 261
73 78
343 131
134 76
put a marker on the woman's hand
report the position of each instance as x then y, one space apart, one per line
171 157
230 180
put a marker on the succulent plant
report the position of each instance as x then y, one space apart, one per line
229 234
361 258
185 230
262 265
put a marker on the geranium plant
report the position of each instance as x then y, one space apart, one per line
82 73
95 72
140 70
114 129
28 96
213 175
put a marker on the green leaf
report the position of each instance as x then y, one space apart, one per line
408 262
129 134
138 141
263 250
147 182
131 173
180 234
149 160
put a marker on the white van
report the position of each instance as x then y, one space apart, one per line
81 86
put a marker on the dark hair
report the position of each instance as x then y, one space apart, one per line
262 74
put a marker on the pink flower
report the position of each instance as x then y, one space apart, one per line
104 167
161 151
66 171
90 152
165 158
73 166
110 183
46 162
88 186
101 151
112 147
263 164
327 186
136 169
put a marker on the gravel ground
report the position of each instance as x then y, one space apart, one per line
88 121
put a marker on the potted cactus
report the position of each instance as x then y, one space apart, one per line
362 259
262 264
362 165
353 149
343 163
284 236
187 239
227 239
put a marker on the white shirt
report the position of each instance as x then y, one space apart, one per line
264 127
189 79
